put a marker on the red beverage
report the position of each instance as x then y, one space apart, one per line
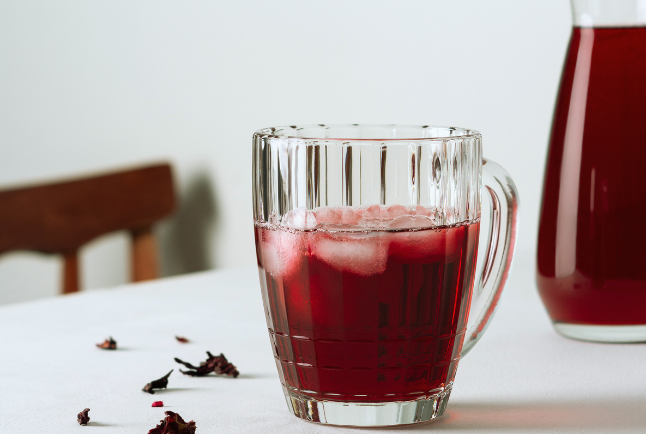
367 310
591 256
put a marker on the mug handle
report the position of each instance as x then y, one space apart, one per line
500 248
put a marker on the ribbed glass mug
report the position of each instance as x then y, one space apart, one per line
366 239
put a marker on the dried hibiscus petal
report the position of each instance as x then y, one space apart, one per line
158 404
173 424
108 344
83 418
226 368
182 340
157 384
217 364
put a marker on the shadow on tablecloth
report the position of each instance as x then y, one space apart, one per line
600 414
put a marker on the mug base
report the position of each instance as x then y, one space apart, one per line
602 333
367 414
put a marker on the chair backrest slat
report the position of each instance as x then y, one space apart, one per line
60 217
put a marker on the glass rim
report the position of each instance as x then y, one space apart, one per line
451 133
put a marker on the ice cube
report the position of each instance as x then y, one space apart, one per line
422 210
410 222
349 216
373 217
372 212
282 251
395 211
328 215
300 218
371 224
363 254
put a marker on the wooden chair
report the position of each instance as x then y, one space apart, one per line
61 217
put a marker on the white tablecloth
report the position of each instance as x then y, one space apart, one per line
522 377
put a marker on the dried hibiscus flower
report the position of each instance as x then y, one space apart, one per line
173 424
182 340
108 344
158 404
157 384
83 418
218 364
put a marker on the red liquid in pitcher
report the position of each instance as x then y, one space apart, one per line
591 253
362 314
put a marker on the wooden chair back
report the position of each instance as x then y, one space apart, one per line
61 217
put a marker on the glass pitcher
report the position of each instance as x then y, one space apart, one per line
591 270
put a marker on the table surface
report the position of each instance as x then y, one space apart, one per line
521 377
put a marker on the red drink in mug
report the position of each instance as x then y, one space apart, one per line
371 311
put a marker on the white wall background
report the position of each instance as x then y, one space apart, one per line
90 86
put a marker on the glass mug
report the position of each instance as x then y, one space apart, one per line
367 239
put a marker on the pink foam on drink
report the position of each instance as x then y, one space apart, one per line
395 211
338 216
